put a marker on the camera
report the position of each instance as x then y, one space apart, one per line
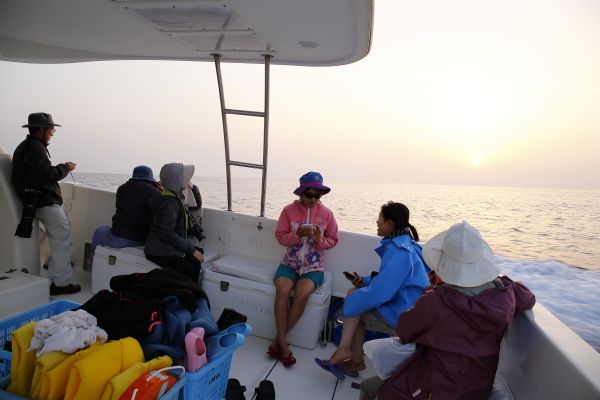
30 201
195 229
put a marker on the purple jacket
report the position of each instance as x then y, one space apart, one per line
458 339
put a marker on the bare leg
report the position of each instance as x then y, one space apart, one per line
283 288
353 335
302 291
356 362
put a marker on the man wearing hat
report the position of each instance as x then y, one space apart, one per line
32 169
131 222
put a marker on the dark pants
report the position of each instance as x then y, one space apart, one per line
188 265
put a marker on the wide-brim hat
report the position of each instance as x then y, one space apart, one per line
188 173
40 120
461 257
143 172
311 180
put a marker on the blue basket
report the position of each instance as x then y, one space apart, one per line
11 324
210 383
173 394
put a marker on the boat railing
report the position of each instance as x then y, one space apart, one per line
264 114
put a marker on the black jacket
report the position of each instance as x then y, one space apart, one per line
133 218
167 235
32 169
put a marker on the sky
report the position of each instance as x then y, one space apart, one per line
482 93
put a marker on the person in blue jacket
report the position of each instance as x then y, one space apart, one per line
376 302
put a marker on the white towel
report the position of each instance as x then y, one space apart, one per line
66 332
188 195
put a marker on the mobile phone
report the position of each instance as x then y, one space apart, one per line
349 275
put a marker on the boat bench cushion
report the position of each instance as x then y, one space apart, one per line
252 269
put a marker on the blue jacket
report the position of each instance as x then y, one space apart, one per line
401 279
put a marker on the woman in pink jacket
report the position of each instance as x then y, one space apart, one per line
307 228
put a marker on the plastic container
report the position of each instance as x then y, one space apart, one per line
210 383
175 391
13 323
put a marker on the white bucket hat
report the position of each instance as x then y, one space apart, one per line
188 173
461 257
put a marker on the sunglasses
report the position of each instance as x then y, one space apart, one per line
310 195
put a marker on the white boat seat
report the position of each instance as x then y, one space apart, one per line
109 262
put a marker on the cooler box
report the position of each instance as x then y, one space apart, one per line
109 262
257 299
20 292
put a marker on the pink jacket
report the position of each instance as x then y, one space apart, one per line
303 255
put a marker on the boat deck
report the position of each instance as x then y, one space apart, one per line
304 380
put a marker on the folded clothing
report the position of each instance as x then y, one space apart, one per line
67 332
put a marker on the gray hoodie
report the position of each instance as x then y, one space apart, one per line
168 230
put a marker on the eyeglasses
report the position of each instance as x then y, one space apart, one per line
310 195
53 130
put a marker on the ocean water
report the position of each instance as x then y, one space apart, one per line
547 238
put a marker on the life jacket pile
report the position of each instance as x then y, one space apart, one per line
146 317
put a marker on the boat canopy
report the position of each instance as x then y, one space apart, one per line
293 32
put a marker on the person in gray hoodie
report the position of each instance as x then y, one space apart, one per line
167 245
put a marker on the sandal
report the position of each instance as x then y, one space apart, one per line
274 352
235 391
330 368
289 360
265 391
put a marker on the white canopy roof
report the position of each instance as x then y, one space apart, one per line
295 32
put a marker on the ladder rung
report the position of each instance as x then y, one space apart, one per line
242 112
247 165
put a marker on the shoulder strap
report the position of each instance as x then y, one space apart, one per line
166 192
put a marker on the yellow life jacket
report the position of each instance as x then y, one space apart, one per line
89 376
23 363
120 383
54 382
45 363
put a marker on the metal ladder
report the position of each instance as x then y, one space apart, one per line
264 114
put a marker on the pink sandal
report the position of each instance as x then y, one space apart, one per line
195 350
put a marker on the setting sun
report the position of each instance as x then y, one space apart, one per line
475 162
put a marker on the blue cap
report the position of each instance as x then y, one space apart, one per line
313 180
143 172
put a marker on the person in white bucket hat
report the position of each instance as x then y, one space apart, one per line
457 324
460 256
